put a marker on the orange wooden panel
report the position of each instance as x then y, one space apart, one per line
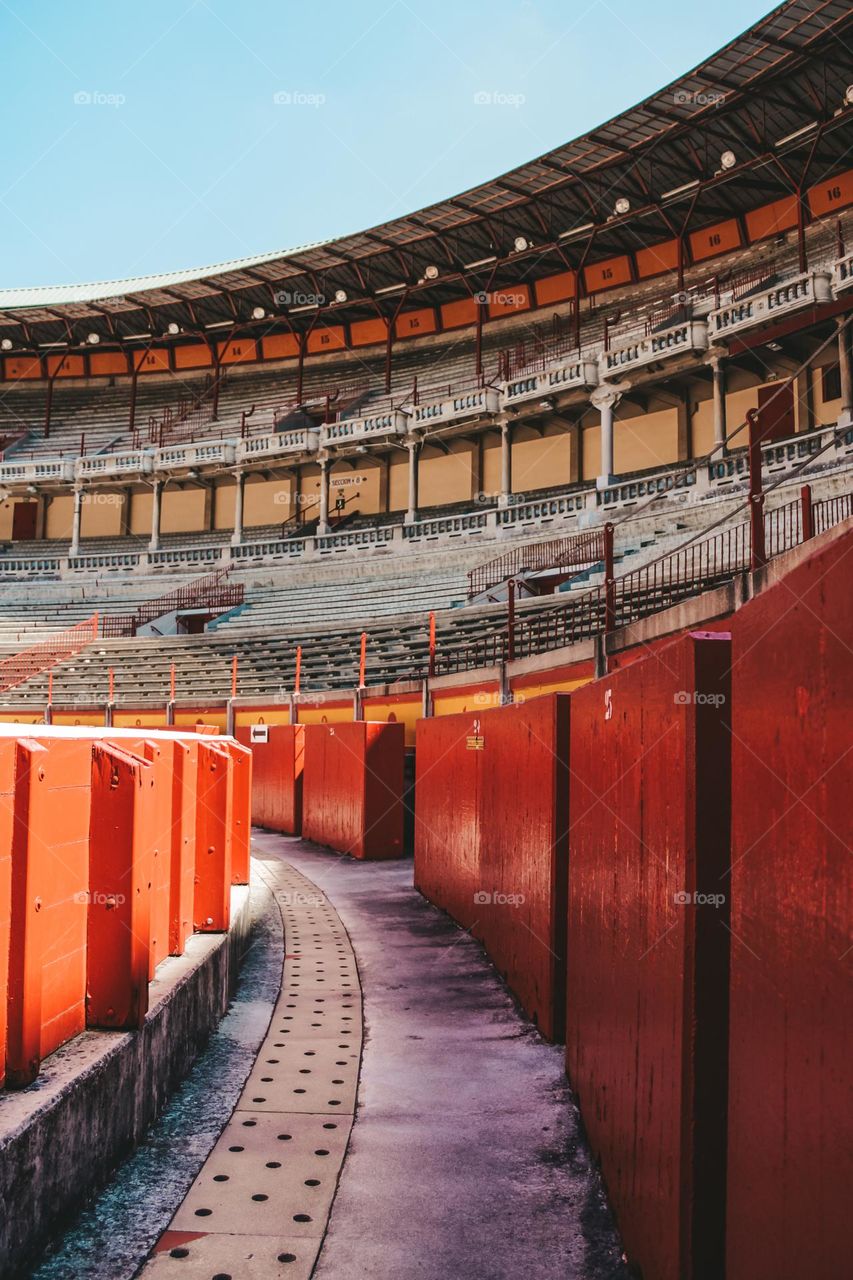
412 324
280 346
50 881
456 314
608 274
156 361
326 338
195 355
772 218
17 367
655 259
277 776
66 366
103 363
239 807
556 288
238 351
7 823
364 333
503 302
182 890
212 896
831 194
121 872
711 241
160 754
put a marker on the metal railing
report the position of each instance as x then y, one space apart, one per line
211 592
40 657
689 570
572 552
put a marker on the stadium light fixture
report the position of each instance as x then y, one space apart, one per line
341 295
93 339
173 327
728 160
520 243
431 272
622 205
258 313
6 344
848 96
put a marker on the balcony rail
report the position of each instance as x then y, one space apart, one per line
558 553
212 593
808 289
40 657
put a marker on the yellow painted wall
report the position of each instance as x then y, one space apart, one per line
140 720
60 514
703 428
540 461
565 685
474 700
361 487
591 451
189 719
78 717
446 477
267 501
490 480
182 510
825 411
326 715
406 713
21 717
261 715
7 511
646 440
102 515
140 513
398 482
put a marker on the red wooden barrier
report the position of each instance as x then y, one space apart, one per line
277 766
648 947
491 843
353 788
240 810
212 896
50 880
447 815
121 887
790 1149
524 816
7 824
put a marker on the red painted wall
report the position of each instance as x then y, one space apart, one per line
647 977
790 1147
352 791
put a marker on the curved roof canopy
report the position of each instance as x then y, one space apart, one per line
775 97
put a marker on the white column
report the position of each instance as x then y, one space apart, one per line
412 511
506 465
156 488
75 523
605 399
323 525
237 535
845 372
719 376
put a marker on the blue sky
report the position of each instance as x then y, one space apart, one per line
176 133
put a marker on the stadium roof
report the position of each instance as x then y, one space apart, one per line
774 97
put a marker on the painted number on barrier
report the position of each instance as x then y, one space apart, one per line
608 704
259 733
475 740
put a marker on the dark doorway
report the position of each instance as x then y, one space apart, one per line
776 411
24 516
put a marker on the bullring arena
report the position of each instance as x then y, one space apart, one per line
425 701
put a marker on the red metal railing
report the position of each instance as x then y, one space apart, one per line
41 657
573 552
658 585
830 511
210 592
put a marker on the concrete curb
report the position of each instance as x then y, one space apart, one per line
61 1137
